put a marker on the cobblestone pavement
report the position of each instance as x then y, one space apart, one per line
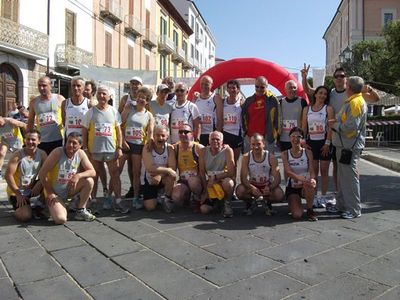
188 256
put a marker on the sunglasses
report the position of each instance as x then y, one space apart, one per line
297 136
184 131
260 87
340 76
180 91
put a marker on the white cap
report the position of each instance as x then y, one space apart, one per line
136 78
162 87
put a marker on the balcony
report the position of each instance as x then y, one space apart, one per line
149 38
165 45
179 55
22 40
188 63
71 57
198 38
133 26
211 55
111 10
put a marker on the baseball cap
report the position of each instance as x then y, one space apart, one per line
162 87
136 78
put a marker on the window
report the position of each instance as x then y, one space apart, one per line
147 62
192 22
131 6
196 56
163 66
163 26
175 70
147 19
108 49
70 19
191 50
184 47
388 15
9 10
130 57
175 37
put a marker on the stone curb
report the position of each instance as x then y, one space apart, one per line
382 161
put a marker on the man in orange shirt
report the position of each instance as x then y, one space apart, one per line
260 114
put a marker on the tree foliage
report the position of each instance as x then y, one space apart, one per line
382 70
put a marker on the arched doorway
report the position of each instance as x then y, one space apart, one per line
249 68
8 88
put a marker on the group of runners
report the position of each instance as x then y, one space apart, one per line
178 151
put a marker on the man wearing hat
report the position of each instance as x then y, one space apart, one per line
159 108
134 85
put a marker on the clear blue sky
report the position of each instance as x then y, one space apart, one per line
286 32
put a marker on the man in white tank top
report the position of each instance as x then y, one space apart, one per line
22 181
158 170
46 96
260 177
217 173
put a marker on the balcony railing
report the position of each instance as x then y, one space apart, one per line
188 62
178 55
133 25
23 40
149 38
69 56
110 9
165 44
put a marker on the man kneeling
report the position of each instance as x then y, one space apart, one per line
62 178
259 177
21 176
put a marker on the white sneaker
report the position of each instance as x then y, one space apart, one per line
84 215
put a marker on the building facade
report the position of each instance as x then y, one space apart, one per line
354 21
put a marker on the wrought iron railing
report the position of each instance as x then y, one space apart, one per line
150 38
111 9
133 25
23 38
165 43
71 55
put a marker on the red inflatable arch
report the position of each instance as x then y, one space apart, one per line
248 68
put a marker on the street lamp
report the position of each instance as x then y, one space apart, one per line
366 56
347 53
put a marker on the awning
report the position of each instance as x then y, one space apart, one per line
117 75
387 99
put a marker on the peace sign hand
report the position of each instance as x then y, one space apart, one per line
304 71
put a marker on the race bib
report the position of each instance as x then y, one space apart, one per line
103 129
47 118
133 133
187 174
206 119
162 121
65 176
287 125
260 180
177 123
230 119
317 127
74 122
7 135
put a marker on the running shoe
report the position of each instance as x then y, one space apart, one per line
269 211
349 215
84 215
168 205
137 203
119 207
250 208
227 211
311 215
107 203
332 209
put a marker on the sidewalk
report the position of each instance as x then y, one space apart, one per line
384 156
189 256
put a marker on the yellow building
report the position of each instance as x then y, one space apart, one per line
173 34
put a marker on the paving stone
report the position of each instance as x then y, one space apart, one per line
324 266
16 241
337 237
31 265
269 285
385 269
3 272
237 247
114 244
127 288
60 288
287 234
130 226
294 250
87 266
237 227
392 215
377 244
371 225
179 251
160 220
164 276
392 294
7 289
232 270
343 287
56 237
196 236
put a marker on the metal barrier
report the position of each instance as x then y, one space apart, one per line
383 133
